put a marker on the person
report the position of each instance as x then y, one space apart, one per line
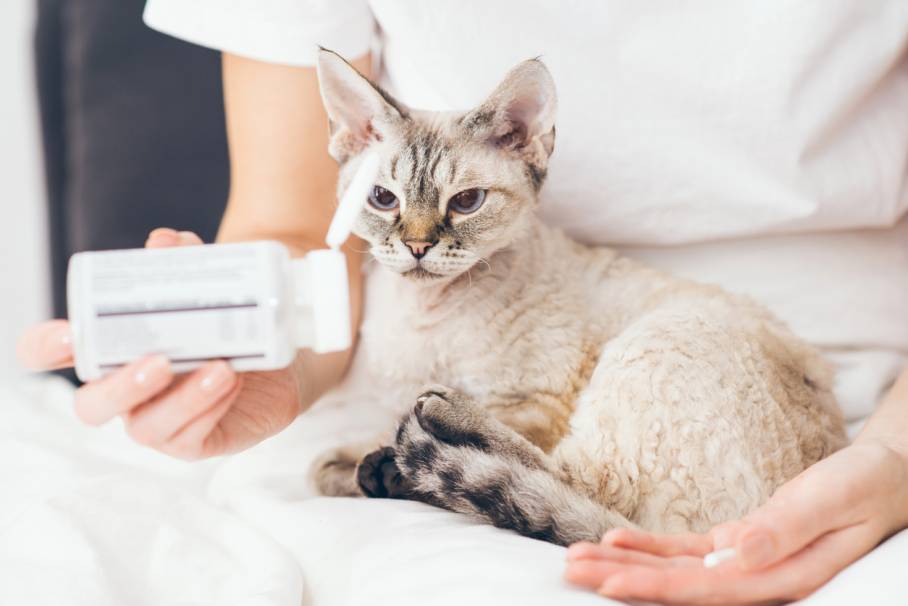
760 146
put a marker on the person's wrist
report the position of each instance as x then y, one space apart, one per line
315 374
900 481
304 395
890 458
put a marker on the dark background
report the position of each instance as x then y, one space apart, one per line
133 130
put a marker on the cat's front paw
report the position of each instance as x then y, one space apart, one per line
453 418
443 445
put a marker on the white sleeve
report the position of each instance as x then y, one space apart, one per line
277 31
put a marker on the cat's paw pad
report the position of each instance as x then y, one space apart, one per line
452 418
378 475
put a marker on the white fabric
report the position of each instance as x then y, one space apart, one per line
279 31
88 518
696 133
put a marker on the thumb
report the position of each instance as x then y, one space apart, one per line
799 513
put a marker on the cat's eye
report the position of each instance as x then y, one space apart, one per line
382 199
467 201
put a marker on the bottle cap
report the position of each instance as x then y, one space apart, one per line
322 301
330 300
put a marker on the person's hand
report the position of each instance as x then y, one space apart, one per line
210 411
812 527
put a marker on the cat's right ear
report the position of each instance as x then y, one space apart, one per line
359 112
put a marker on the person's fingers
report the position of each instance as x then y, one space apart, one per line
668 585
659 544
162 237
202 436
592 551
799 513
154 422
46 346
589 565
727 584
591 573
99 401
584 551
165 237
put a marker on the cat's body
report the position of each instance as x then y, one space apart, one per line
577 390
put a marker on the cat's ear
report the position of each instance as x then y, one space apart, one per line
359 111
519 115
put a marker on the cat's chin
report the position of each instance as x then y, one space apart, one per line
420 274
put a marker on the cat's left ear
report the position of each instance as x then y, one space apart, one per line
359 111
519 115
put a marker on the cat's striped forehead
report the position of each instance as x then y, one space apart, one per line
427 159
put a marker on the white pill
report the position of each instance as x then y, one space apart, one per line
711 560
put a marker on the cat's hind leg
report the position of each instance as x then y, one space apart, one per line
451 453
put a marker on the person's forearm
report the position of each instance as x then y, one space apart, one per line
282 182
889 424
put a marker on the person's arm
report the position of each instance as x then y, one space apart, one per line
282 180
282 188
812 527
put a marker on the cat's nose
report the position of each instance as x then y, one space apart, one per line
419 248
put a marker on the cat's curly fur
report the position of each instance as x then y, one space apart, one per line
576 390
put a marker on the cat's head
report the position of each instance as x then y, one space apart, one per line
453 187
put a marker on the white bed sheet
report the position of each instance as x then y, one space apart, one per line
88 518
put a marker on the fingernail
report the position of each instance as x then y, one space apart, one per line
756 550
152 370
216 378
60 346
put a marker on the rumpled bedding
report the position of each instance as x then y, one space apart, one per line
87 517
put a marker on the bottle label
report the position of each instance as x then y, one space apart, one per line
191 304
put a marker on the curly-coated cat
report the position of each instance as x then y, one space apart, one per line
548 387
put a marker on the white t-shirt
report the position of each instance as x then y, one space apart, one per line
758 145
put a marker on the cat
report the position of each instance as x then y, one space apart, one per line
548 387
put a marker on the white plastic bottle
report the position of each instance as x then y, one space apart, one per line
247 303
